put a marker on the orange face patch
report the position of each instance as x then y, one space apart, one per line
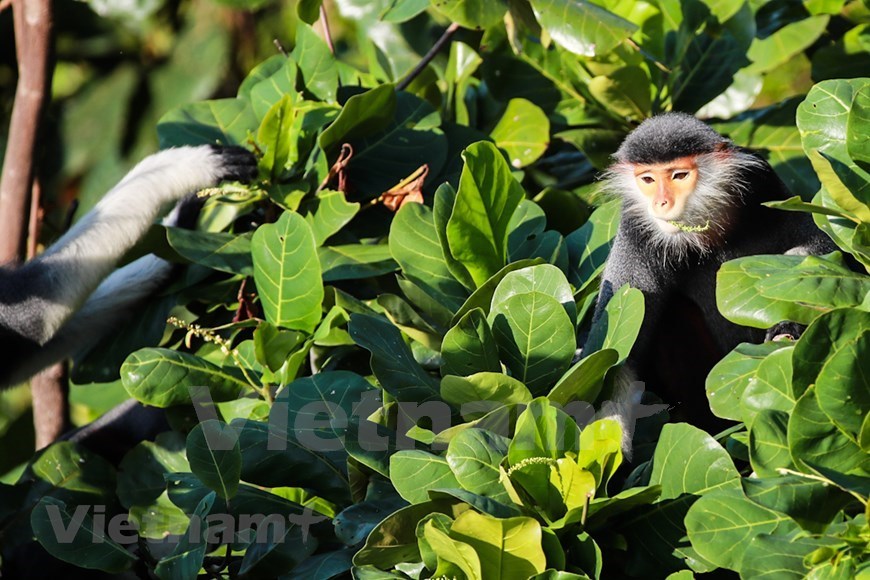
667 186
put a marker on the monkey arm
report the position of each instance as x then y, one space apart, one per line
47 290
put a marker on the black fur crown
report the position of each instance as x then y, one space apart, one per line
669 136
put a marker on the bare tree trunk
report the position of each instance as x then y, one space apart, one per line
33 26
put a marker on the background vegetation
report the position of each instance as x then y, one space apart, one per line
481 293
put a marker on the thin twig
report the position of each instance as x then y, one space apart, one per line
327 35
279 46
445 38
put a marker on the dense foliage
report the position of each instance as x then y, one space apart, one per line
377 340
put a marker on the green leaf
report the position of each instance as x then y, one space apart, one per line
469 347
392 362
328 213
824 122
185 561
474 456
722 523
523 132
394 541
589 246
740 299
414 473
223 252
482 297
619 324
308 10
727 380
452 555
778 557
625 91
215 457
478 226
706 69
832 354
535 337
69 534
316 64
812 504
688 460
813 438
768 443
411 139
770 388
362 114
355 261
508 548
225 121
582 27
477 14
276 85
543 431
287 273
415 245
141 474
164 378
477 394
442 209
277 140
777 49
584 380
544 278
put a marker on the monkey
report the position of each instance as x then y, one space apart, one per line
691 200
64 300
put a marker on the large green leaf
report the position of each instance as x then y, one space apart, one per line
721 525
775 50
477 14
813 438
768 443
619 324
316 63
832 355
543 431
469 347
214 456
478 394
584 380
727 380
220 251
523 132
415 246
740 299
535 337
68 533
362 114
688 460
545 278
392 361
164 378
589 246
225 121
770 389
287 273
414 473
474 456
508 548
355 261
141 474
706 69
824 122
478 226
584 28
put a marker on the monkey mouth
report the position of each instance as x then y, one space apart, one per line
690 228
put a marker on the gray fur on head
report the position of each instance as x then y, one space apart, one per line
667 137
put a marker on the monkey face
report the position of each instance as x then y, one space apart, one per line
667 188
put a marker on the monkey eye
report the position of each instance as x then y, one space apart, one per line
680 174
647 179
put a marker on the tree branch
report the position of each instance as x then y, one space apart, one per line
445 38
